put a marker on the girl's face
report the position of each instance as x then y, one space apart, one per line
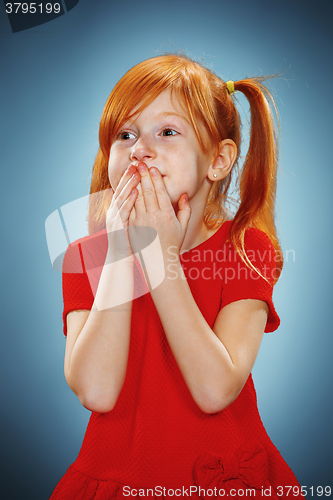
163 136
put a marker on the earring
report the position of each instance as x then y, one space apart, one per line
215 175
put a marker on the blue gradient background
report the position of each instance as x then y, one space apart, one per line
55 79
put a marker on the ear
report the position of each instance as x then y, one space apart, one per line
224 161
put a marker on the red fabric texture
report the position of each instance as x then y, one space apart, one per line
156 436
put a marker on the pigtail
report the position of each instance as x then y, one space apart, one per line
257 183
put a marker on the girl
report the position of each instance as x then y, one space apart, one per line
166 303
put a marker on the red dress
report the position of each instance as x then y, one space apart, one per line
156 441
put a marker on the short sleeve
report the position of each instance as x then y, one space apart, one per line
76 288
241 282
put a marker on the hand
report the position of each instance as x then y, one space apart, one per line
153 208
117 217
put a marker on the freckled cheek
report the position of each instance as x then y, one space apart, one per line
116 169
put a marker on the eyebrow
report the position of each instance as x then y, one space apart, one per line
162 115
171 113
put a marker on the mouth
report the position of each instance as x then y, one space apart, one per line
162 175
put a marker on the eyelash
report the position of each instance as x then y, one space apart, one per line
123 133
170 129
164 130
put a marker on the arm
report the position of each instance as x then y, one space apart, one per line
98 344
98 340
215 363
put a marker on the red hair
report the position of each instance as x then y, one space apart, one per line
207 100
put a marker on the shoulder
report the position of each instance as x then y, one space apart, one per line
254 238
260 254
83 259
259 248
81 253
253 278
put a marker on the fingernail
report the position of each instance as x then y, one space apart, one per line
153 170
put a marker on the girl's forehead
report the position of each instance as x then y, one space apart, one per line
166 103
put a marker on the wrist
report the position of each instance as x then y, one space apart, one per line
119 247
121 258
174 270
171 255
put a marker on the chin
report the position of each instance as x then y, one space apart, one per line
174 198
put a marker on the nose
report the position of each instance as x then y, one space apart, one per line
143 150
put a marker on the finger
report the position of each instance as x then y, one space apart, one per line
140 207
132 215
118 217
124 179
163 198
115 212
124 188
122 193
128 205
184 212
118 236
148 189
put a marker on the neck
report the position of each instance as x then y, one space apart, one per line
196 232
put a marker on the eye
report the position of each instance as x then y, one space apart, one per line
125 136
168 132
